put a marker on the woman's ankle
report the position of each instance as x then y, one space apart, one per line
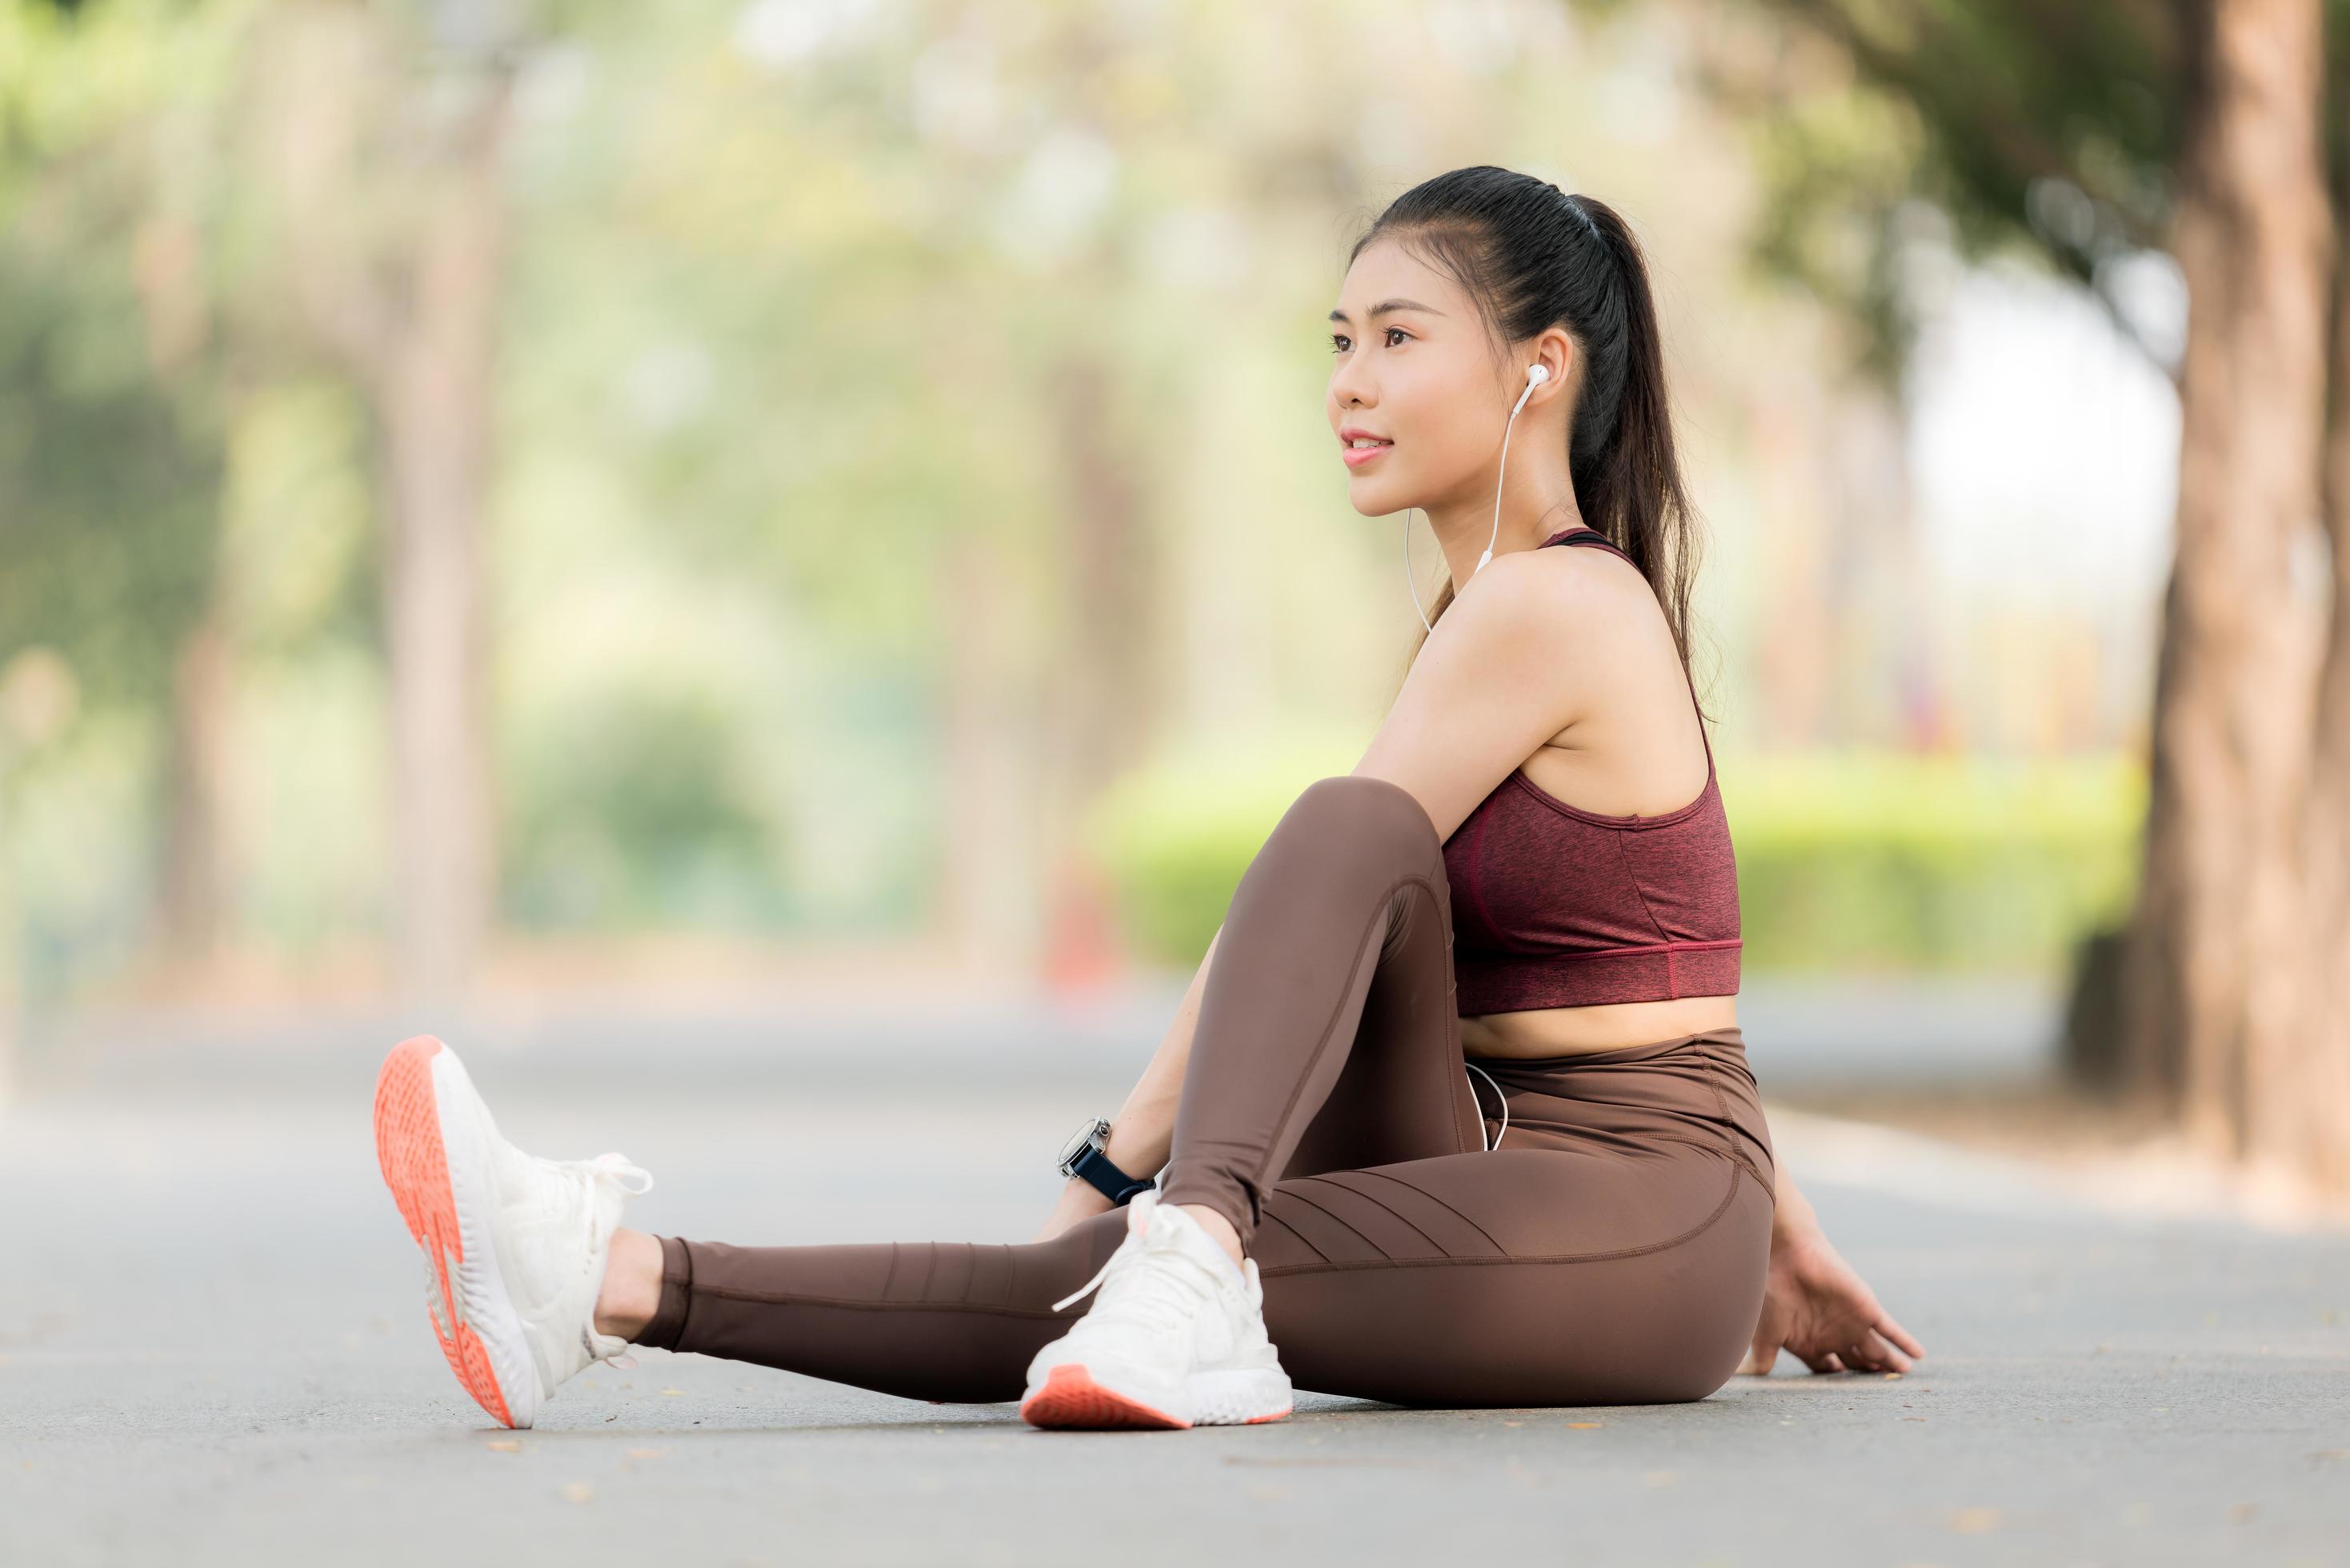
632 1284
1217 1226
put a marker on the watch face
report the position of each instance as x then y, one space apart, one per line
1077 1143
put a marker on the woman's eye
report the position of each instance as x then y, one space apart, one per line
1338 340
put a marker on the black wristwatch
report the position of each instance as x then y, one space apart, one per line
1083 1156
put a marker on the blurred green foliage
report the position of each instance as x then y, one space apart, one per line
635 807
1848 861
793 538
1855 861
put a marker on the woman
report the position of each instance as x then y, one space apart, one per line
1529 866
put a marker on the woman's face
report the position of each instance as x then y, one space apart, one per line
1419 375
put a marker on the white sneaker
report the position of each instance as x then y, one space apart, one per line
514 1245
1175 1339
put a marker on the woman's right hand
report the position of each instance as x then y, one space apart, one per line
1817 1306
1081 1202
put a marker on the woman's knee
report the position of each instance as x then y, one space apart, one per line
1361 816
1343 846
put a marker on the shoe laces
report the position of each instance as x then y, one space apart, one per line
617 1168
581 1177
611 1169
1151 1282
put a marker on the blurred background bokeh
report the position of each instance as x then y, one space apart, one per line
786 499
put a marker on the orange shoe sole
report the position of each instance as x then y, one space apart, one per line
1070 1397
416 1168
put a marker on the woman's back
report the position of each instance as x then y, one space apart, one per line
1557 905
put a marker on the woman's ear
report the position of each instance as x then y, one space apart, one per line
1555 349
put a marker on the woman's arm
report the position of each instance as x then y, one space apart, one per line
1793 1217
1814 1304
1142 1134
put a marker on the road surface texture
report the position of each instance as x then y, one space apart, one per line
214 1346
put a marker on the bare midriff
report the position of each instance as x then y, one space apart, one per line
1607 1026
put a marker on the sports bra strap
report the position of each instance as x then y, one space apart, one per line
1584 533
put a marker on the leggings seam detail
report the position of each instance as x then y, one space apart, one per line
1729 1194
1004 1296
1384 1255
1380 911
1301 1235
1711 1145
1713 1079
1708 1146
1447 1208
1450 1013
1434 1245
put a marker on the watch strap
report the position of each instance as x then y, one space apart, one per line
1106 1178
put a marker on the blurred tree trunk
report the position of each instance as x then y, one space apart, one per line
1109 698
199 772
196 783
1035 728
989 883
1106 704
2221 991
1028 750
2214 998
397 262
434 397
2319 1141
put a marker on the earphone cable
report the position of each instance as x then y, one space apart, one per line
1503 1098
1536 374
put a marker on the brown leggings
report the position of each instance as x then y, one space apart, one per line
1611 1250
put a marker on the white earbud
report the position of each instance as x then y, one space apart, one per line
1536 374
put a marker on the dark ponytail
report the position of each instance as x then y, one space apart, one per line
1531 256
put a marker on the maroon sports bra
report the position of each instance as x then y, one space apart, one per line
1553 906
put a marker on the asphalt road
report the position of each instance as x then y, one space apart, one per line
213 1350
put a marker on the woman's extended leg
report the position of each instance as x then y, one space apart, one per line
1331 991
1326 1054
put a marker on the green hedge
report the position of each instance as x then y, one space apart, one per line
1847 861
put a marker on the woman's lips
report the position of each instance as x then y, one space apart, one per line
1355 456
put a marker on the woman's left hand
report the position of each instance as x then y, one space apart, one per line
1815 1305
